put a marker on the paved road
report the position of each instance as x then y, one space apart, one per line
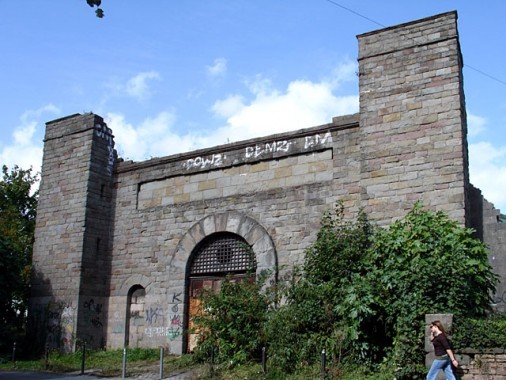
15 375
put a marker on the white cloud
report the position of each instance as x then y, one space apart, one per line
487 163
260 86
26 147
343 72
229 106
137 86
475 124
219 67
487 171
302 104
153 137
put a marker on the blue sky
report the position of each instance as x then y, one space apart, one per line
172 76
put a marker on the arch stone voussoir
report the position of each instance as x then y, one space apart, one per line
234 222
137 279
189 240
254 234
266 257
220 221
209 225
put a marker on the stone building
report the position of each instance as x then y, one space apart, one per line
122 247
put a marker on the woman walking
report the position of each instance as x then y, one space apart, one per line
442 350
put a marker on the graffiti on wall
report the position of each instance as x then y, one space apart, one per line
102 131
316 140
154 321
175 318
92 312
152 315
259 150
272 147
56 323
214 160
156 331
156 325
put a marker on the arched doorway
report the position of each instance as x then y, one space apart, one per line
238 225
218 255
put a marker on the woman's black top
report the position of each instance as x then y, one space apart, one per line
441 344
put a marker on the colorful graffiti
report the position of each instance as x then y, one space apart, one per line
55 323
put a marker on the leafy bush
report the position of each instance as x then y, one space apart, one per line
480 333
426 263
299 330
365 291
324 306
232 321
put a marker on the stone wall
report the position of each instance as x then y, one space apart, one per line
482 365
490 227
494 235
271 191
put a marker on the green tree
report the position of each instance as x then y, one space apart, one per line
17 225
426 263
364 291
327 306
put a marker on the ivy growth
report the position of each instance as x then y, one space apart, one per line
480 333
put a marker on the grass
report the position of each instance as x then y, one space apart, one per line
109 363
105 362
253 371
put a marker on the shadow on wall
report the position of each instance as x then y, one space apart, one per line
51 322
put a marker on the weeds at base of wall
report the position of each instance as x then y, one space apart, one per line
141 361
253 371
104 362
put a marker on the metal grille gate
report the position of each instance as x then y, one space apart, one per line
223 253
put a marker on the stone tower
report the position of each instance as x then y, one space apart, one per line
413 119
71 250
